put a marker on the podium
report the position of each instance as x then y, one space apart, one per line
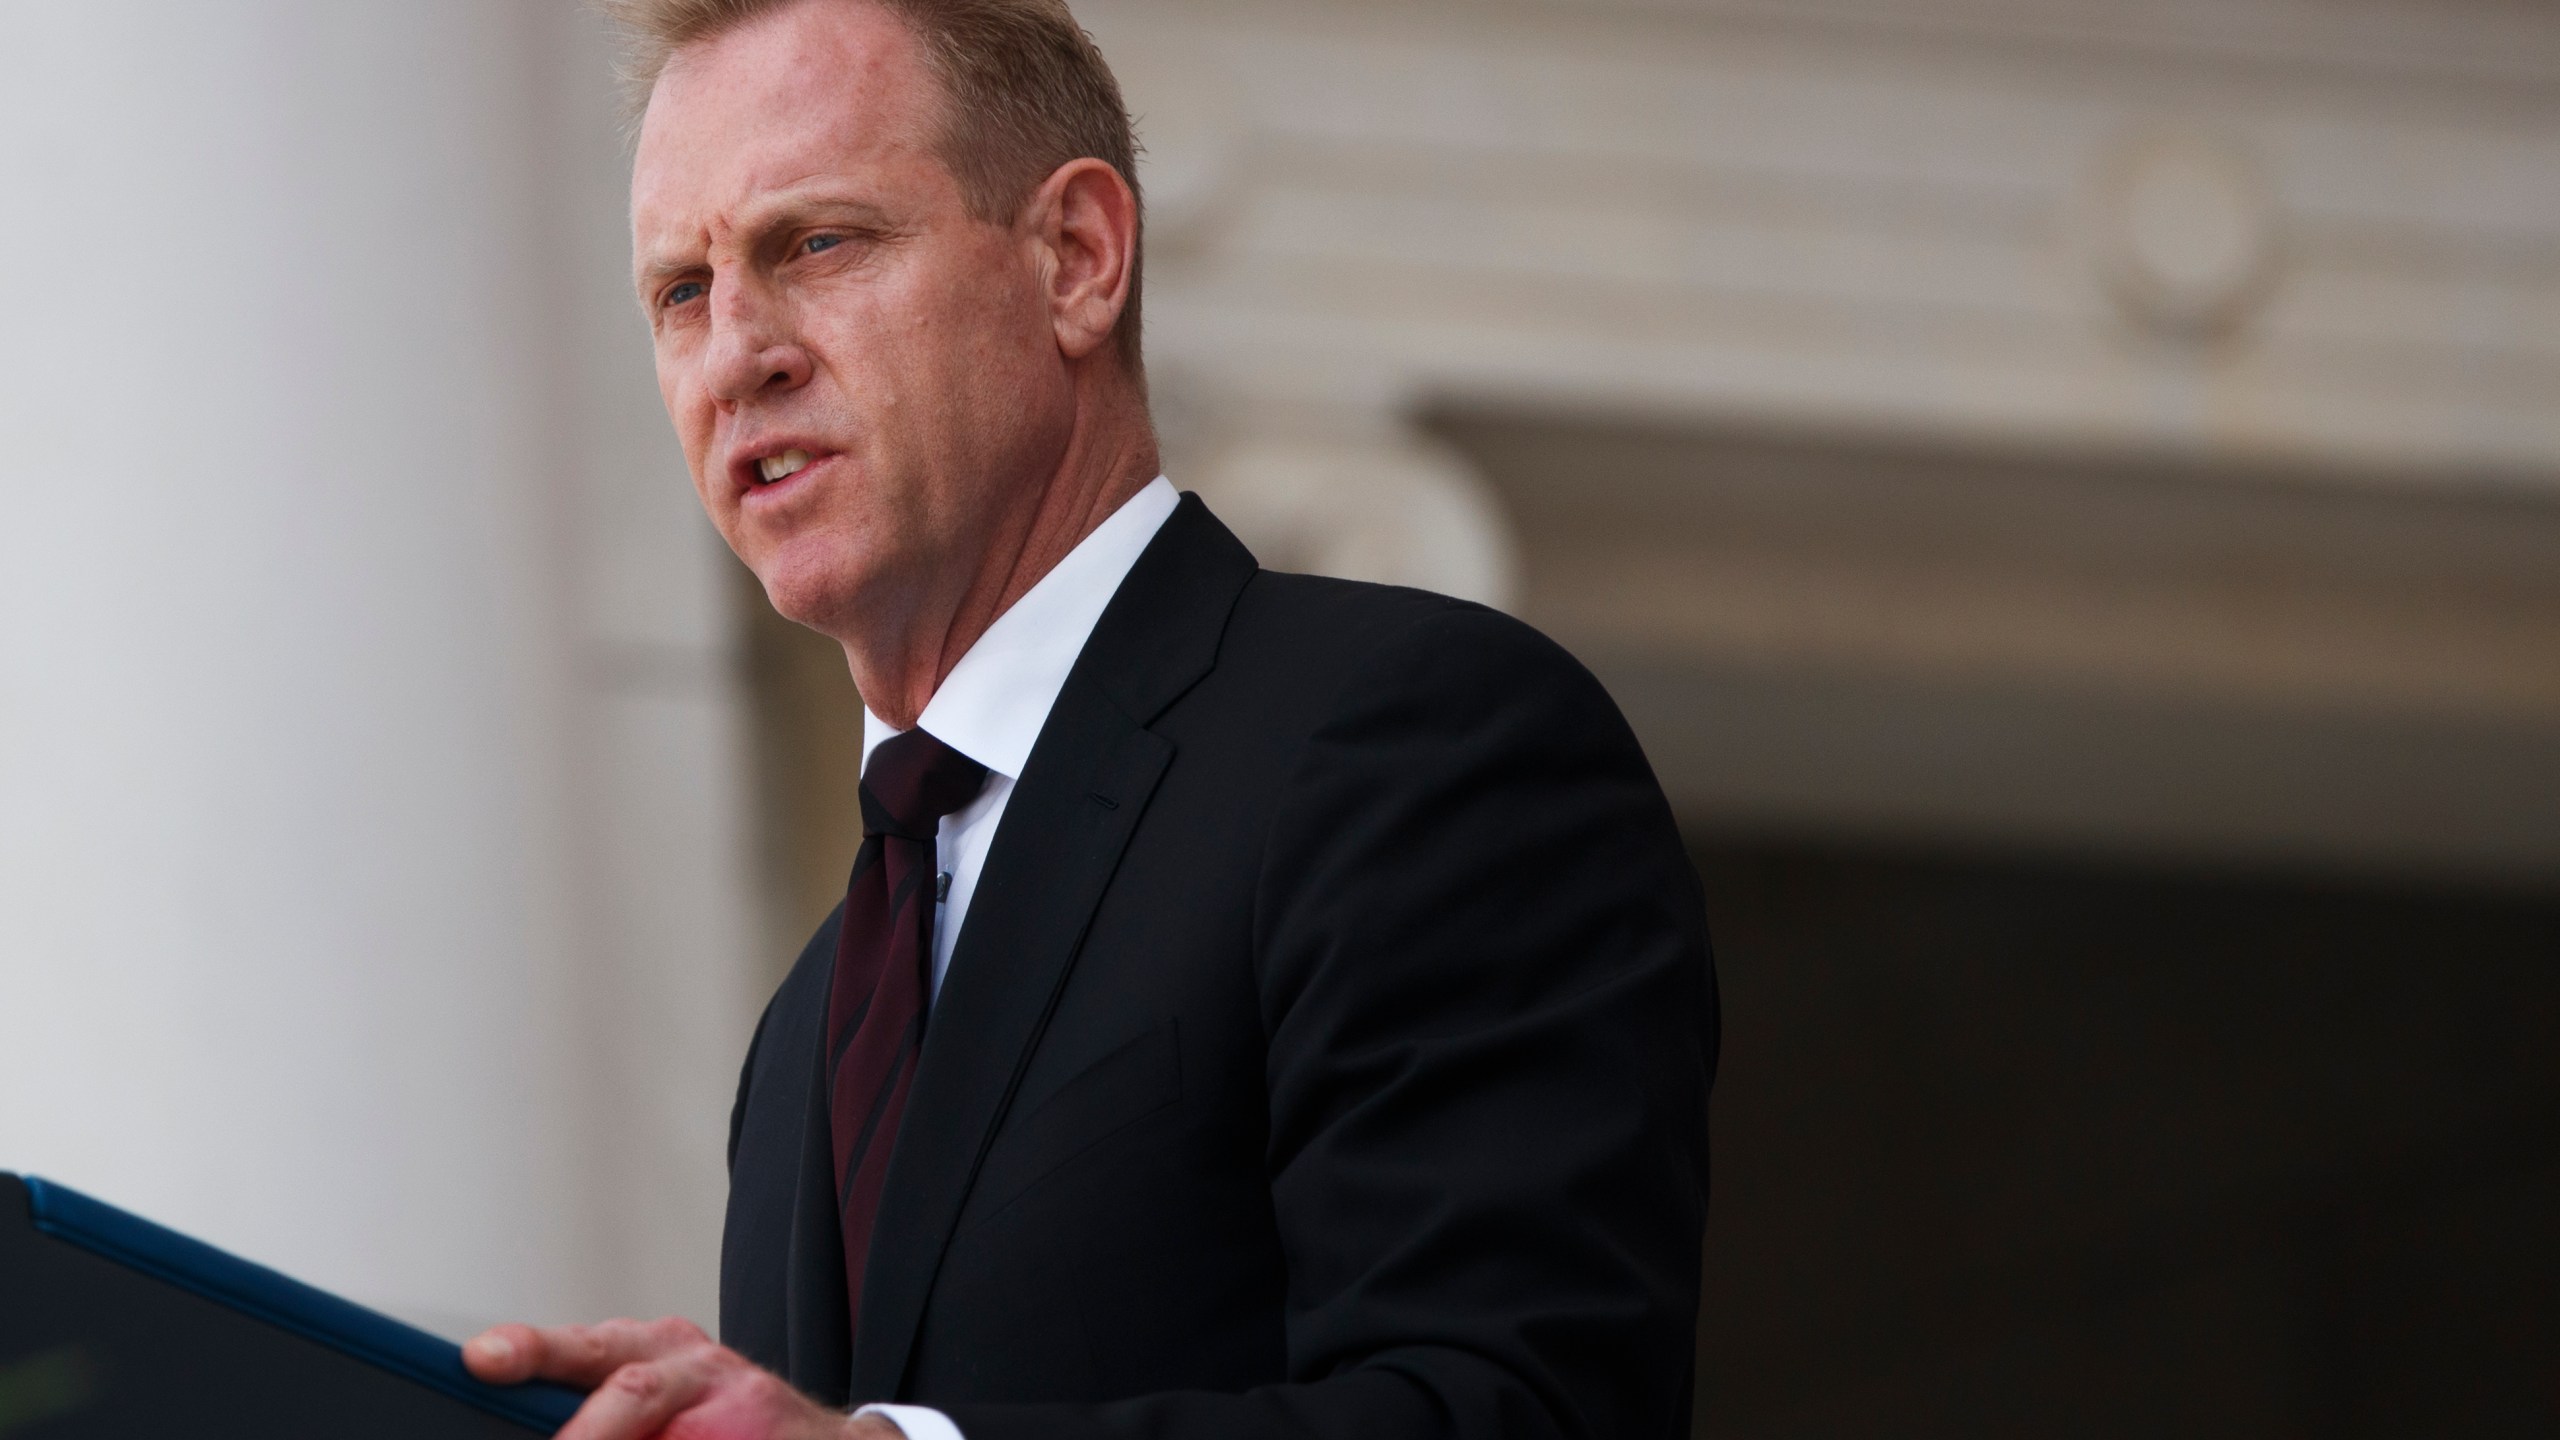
113 1328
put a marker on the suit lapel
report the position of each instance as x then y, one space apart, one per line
782 1298
1078 801
817 1318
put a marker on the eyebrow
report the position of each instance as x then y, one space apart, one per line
778 212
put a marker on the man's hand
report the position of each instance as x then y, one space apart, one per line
661 1378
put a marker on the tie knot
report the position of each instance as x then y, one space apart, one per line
914 780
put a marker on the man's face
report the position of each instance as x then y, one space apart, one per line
817 286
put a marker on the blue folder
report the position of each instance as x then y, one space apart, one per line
349 1329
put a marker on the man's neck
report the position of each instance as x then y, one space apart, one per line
899 678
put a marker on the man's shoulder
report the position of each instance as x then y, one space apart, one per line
1304 657
1367 635
1327 600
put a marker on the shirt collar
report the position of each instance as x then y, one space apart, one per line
993 703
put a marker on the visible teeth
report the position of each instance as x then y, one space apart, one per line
777 466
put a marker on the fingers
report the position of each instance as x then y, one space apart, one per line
645 1376
641 1398
580 1355
503 1354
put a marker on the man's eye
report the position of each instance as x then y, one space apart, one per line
678 294
816 243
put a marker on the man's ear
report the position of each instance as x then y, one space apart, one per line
1085 218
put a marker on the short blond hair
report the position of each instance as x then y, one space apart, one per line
1025 90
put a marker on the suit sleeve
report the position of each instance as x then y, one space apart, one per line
1491 1015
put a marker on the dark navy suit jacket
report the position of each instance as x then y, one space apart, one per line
1325 1054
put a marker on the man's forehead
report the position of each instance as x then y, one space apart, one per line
810 91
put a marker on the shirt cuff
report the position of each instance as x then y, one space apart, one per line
919 1421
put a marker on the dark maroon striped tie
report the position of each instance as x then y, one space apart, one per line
884 967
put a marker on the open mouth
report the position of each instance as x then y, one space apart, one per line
779 467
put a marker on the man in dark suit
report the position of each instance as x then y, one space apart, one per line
1262 1006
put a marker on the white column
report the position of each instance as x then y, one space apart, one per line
354 876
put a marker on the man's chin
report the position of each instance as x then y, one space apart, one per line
801 603
819 590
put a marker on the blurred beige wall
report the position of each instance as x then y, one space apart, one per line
2036 421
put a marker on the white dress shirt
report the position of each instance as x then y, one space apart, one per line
990 708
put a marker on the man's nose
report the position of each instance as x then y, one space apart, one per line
750 355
